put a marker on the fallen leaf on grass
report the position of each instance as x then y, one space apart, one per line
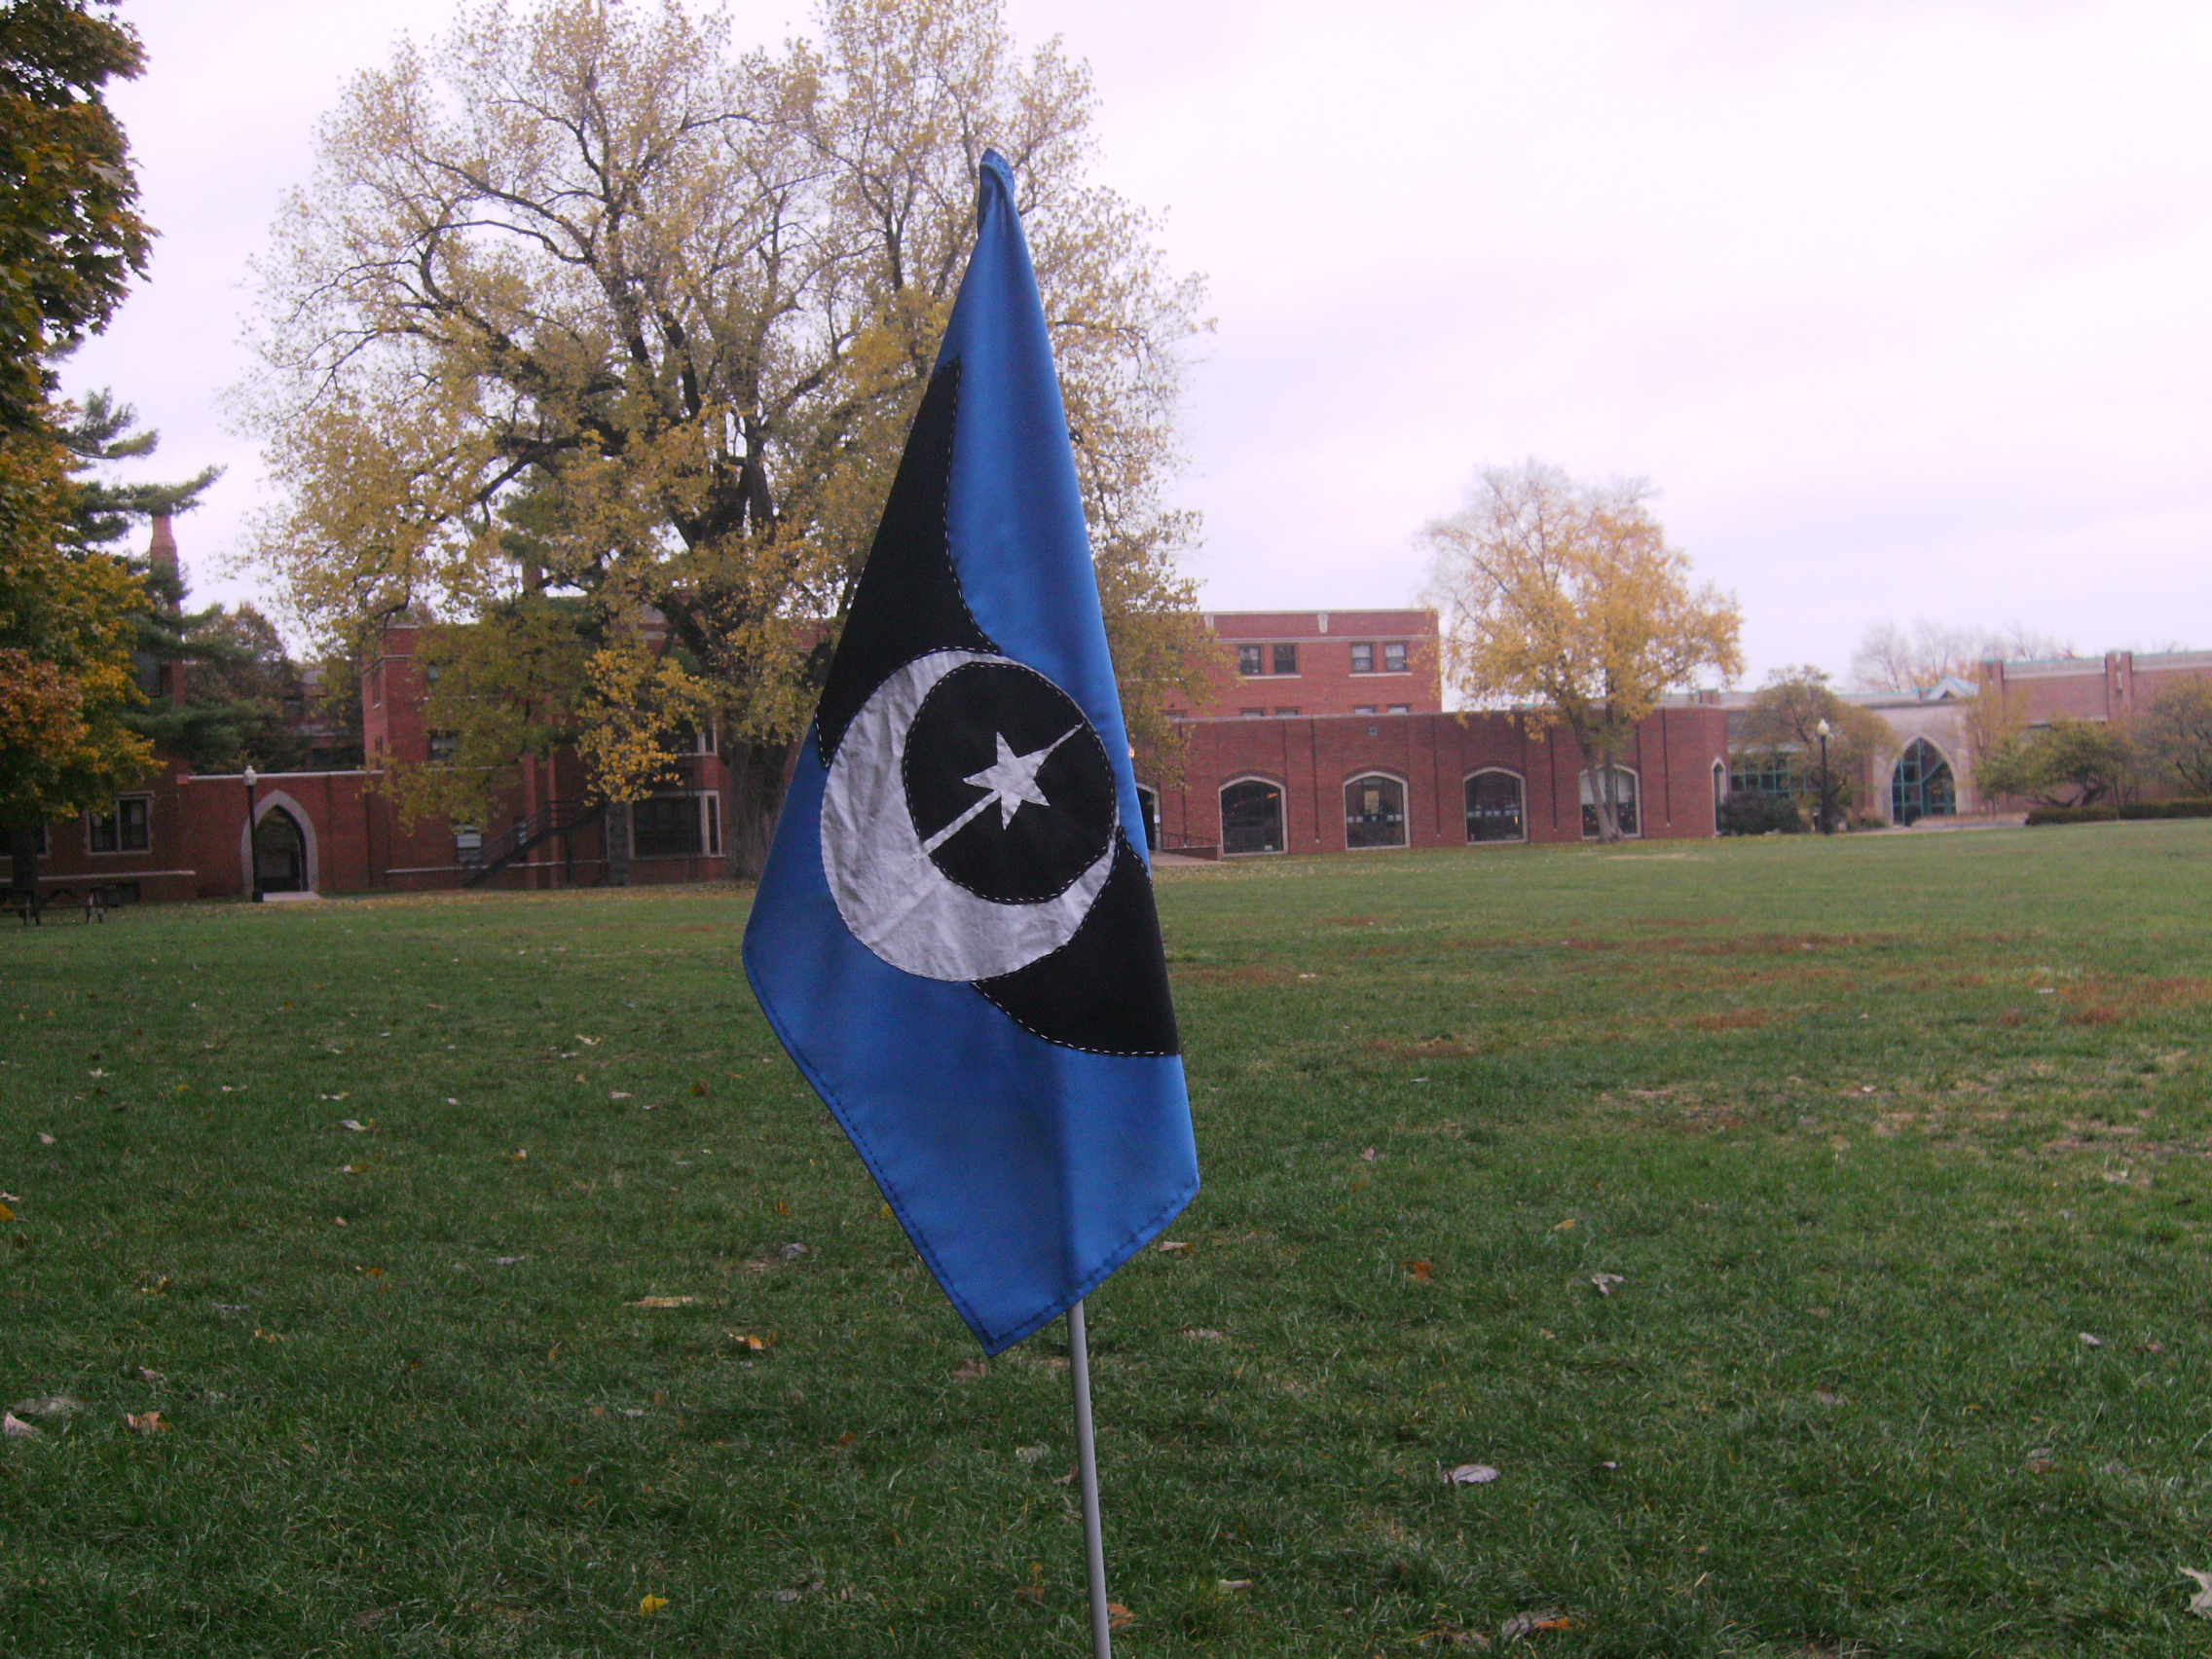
792 1252
970 1371
2088 1341
1230 1586
521 1156
2039 1461
1452 1636
1033 1594
2150 1348
795 1591
353 1124
1118 1617
1566 1226
2201 1603
663 1301
1828 1396
507 1261
14 1427
587 1042
1471 1474
145 1423
1367 1156
1521 1626
151 1374
1604 1283
1173 1247
44 1139
1029 1454
49 1405
1199 1332
748 1341
650 1604
619 1094
1422 1270
6 1215
1067 1479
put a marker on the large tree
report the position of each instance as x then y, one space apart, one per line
70 239
2064 763
588 327
1562 596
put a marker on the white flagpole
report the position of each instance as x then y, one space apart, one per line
1086 1463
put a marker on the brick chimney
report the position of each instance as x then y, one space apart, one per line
161 552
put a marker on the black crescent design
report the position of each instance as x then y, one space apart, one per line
908 601
1106 989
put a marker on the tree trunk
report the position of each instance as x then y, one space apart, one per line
1597 765
23 859
617 833
756 797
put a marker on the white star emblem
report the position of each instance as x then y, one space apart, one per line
1010 779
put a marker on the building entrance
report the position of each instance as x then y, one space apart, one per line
279 853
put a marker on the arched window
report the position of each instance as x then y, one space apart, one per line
1719 781
1148 801
1251 817
1494 807
1921 786
1624 803
1375 811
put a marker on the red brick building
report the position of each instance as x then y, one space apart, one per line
1289 664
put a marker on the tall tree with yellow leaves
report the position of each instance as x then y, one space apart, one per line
586 310
1561 597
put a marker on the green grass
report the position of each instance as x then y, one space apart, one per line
1872 1132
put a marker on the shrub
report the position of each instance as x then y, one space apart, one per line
2103 814
1750 812
2167 809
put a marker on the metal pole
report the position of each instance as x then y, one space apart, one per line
1086 1463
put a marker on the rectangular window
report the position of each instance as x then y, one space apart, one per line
1286 659
431 672
1283 713
467 840
1394 657
1364 709
676 827
1401 708
125 827
1363 658
1248 660
696 740
443 744
1252 714
376 687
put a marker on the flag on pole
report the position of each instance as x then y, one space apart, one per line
954 935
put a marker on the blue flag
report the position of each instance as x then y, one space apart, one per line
955 936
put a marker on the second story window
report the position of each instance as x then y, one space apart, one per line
122 829
1394 657
1286 659
1248 660
443 746
1363 658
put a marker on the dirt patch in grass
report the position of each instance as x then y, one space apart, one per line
2109 1001
1732 1019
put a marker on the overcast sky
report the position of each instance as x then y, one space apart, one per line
1905 308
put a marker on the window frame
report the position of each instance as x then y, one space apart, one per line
1592 826
1397 658
1520 814
1251 661
1363 656
118 846
1404 817
1282 815
1280 653
708 834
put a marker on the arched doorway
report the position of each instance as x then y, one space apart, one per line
1148 801
279 853
1375 811
1921 786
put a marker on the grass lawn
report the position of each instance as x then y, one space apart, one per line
1897 1147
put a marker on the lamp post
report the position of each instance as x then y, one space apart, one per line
252 855
1827 801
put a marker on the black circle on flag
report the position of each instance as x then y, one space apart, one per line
1008 786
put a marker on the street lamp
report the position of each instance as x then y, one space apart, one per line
252 855
1827 800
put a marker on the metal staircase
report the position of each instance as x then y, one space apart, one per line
562 818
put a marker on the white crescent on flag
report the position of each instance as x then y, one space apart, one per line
887 885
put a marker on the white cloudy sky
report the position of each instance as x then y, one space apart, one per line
1906 308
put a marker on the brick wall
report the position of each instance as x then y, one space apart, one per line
1324 683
